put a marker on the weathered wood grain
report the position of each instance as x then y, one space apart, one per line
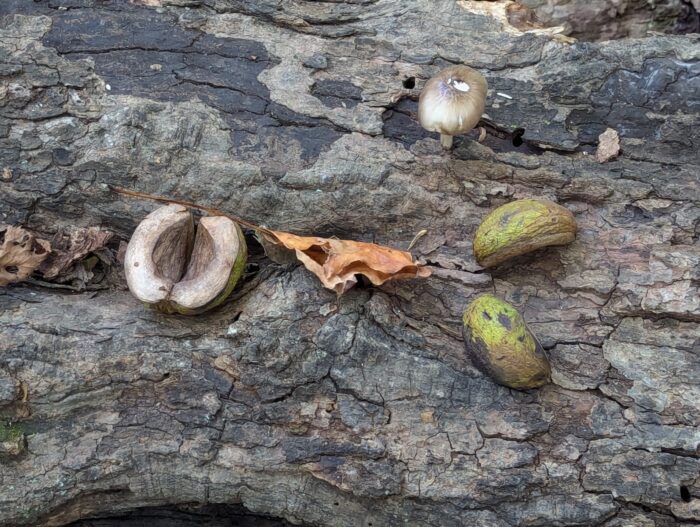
361 410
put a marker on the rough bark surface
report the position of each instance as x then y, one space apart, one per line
184 516
361 410
607 20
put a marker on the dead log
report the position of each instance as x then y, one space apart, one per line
359 410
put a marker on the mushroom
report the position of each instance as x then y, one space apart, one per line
452 102
173 270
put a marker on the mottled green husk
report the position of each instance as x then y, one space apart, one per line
170 307
500 344
10 432
520 227
12 441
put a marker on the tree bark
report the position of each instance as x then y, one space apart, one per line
363 409
604 20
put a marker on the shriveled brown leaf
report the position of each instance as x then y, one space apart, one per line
68 249
522 17
608 146
21 254
337 262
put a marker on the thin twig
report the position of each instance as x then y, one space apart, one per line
190 205
416 238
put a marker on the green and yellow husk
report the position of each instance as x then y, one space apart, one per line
520 227
500 344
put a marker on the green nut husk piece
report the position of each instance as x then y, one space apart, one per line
12 441
174 270
520 227
499 344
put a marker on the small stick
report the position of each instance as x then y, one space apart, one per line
189 205
417 237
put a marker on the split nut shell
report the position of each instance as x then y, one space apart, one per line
520 227
499 344
174 270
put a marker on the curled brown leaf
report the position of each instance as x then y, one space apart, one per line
522 17
20 255
337 262
71 248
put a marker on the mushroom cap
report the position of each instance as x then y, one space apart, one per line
452 102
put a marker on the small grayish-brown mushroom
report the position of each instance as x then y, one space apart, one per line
452 102
171 269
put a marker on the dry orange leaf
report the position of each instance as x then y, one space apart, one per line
335 262
20 254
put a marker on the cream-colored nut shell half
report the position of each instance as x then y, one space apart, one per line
204 281
142 274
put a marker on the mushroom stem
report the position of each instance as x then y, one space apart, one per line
446 141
